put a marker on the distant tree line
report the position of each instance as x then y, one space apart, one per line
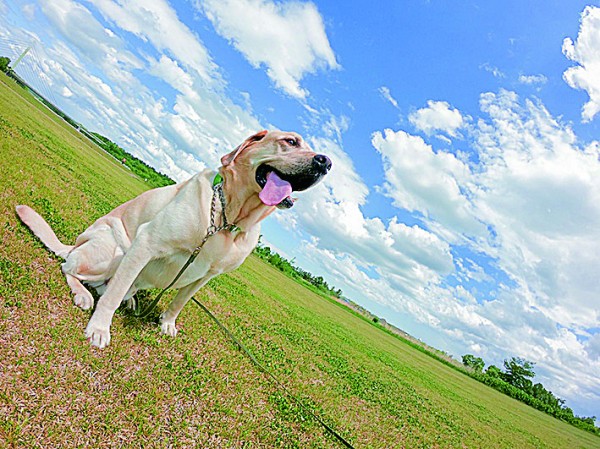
288 268
516 381
137 166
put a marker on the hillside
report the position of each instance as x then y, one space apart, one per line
148 390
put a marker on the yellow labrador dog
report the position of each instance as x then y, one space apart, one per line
144 242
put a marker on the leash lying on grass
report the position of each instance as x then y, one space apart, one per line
244 350
212 230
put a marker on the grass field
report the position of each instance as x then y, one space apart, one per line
151 391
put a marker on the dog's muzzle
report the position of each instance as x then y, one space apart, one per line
277 185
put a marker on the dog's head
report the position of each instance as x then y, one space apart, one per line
278 163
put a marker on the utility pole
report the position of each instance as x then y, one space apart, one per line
14 66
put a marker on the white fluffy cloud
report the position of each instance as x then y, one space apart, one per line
94 69
387 95
157 22
288 38
430 183
585 51
66 92
592 347
533 79
29 10
84 32
539 192
437 117
493 70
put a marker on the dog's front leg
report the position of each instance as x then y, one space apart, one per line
168 317
136 258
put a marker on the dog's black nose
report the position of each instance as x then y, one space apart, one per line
322 163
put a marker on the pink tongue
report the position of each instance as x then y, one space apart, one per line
275 190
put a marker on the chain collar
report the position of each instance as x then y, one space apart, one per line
213 228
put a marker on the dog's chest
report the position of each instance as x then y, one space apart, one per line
220 254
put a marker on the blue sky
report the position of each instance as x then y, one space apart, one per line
464 203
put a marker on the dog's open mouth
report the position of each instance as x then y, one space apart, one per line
277 187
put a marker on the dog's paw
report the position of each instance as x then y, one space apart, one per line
84 300
168 327
98 336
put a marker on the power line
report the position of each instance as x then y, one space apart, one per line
42 76
28 64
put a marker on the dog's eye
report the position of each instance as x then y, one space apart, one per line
292 142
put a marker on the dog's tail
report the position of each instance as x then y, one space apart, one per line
43 231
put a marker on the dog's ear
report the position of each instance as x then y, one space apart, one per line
229 158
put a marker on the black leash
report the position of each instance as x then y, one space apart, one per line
150 307
244 350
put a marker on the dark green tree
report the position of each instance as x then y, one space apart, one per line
494 371
4 64
518 372
539 392
475 363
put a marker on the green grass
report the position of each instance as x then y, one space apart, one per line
148 390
